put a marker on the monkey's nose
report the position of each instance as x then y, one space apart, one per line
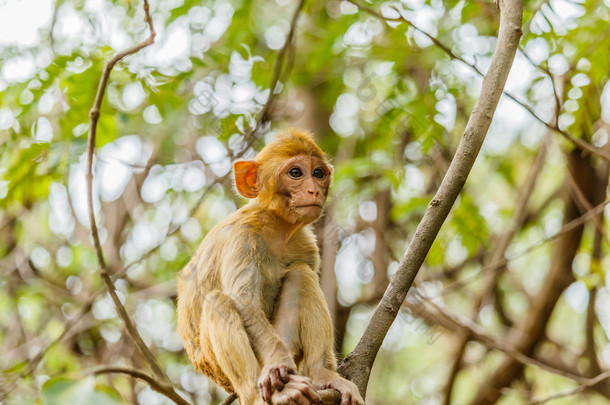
311 188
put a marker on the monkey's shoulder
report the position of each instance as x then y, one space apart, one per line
225 242
232 236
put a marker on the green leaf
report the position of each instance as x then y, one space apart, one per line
106 130
415 205
15 368
28 176
62 391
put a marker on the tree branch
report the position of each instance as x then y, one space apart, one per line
329 397
358 364
581 388
140 375
530 330
229 400
164 386
448 320
493 267
553 126
264 114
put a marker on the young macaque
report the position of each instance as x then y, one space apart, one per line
250 309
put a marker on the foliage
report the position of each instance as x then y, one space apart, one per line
388 105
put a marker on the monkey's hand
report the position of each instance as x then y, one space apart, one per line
273 378
349 392
298 390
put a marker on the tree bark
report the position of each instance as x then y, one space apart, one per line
358 364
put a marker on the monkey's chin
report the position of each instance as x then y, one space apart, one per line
309 213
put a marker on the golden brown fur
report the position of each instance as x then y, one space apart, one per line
250 310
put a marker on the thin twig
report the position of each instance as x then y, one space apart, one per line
584 205
140 375
94 114
449 319
264 114
553 126
547 72
492 267
581 388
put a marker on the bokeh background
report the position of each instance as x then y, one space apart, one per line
388 101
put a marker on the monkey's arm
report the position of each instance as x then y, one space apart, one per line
277 363
243 281
265 341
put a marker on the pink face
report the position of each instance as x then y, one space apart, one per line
302 183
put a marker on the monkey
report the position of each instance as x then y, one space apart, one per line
251 312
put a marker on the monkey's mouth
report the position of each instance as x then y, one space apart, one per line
310 205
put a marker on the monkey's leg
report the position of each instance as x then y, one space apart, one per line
224 337
303 322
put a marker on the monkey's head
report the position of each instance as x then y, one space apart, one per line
290 177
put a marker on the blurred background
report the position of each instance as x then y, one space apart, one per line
521 265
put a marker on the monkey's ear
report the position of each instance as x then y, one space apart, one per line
246 178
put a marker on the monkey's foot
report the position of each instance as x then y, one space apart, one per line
349 392
298 390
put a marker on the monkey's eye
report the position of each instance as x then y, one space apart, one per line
295 172
319 173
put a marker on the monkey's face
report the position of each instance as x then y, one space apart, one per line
302 185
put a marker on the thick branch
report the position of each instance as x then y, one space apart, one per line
358 364
229 400
329 397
